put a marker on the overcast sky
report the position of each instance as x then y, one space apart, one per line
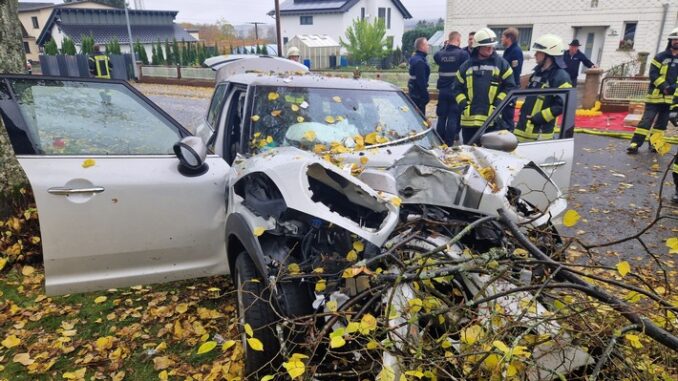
243 11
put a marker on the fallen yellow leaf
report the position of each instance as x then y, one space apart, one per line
3 262
227 345
396 201
623 268
330 119
248 330
27 270
11 341
272 96
321 285
255 344
100 299
181 308
258 231
207 347
352 256
76 375
23 359
255 118
276 113
163 376
162 362
571 218
88 163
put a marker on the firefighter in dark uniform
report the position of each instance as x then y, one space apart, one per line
449 59
539 113
482 83
420 72
99 64
663 75
514 56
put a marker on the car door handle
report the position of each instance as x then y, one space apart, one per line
62 191
553 164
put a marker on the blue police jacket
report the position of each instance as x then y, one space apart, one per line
514 56
449 59
420 72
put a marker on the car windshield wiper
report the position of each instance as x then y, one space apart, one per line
406 139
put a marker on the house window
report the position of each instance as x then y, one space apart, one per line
285 40
382 15
306 20
524 35
34 20
362 13
629 36
388 19
27 48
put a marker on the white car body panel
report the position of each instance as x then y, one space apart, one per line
150 224
287 168
555 158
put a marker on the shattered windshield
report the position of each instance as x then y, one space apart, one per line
333 119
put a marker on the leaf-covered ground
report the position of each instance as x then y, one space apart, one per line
182 330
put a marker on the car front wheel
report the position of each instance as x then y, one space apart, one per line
255 308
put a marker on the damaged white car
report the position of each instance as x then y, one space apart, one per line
343 222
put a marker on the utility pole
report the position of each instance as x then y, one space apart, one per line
256 29
277 28
131 46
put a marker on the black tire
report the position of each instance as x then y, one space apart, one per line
254 307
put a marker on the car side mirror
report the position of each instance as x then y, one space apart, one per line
500 141
191 152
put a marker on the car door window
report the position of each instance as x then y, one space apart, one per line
216 105
91 118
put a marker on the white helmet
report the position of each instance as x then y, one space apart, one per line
293 51
674 34
484 37
549 44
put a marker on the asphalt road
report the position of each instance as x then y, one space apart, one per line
616 194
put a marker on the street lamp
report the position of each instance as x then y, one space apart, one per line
277 28
131 47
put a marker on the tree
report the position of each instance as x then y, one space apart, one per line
140 52
264 50
113 47
51 48
12 58
154 57
423 29
87 44
159 52
176 52
68 47
366 40
169 55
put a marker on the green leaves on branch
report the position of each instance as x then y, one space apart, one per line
366 40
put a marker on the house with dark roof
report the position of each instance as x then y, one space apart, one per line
105 25
333 17
34 16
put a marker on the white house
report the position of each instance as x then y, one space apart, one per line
333 17
611 32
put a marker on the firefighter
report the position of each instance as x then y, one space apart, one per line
538 115
663 75
99 64
293 54
482 83
420 72
449 59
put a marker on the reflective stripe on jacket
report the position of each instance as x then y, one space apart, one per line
543 110
99 66
663 76
480 86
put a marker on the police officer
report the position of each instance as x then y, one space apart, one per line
449 59
420 72
99 64
469 47
538 115
514 56
663 75
482 83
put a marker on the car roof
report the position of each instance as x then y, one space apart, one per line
310 80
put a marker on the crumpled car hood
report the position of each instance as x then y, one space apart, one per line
466 178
